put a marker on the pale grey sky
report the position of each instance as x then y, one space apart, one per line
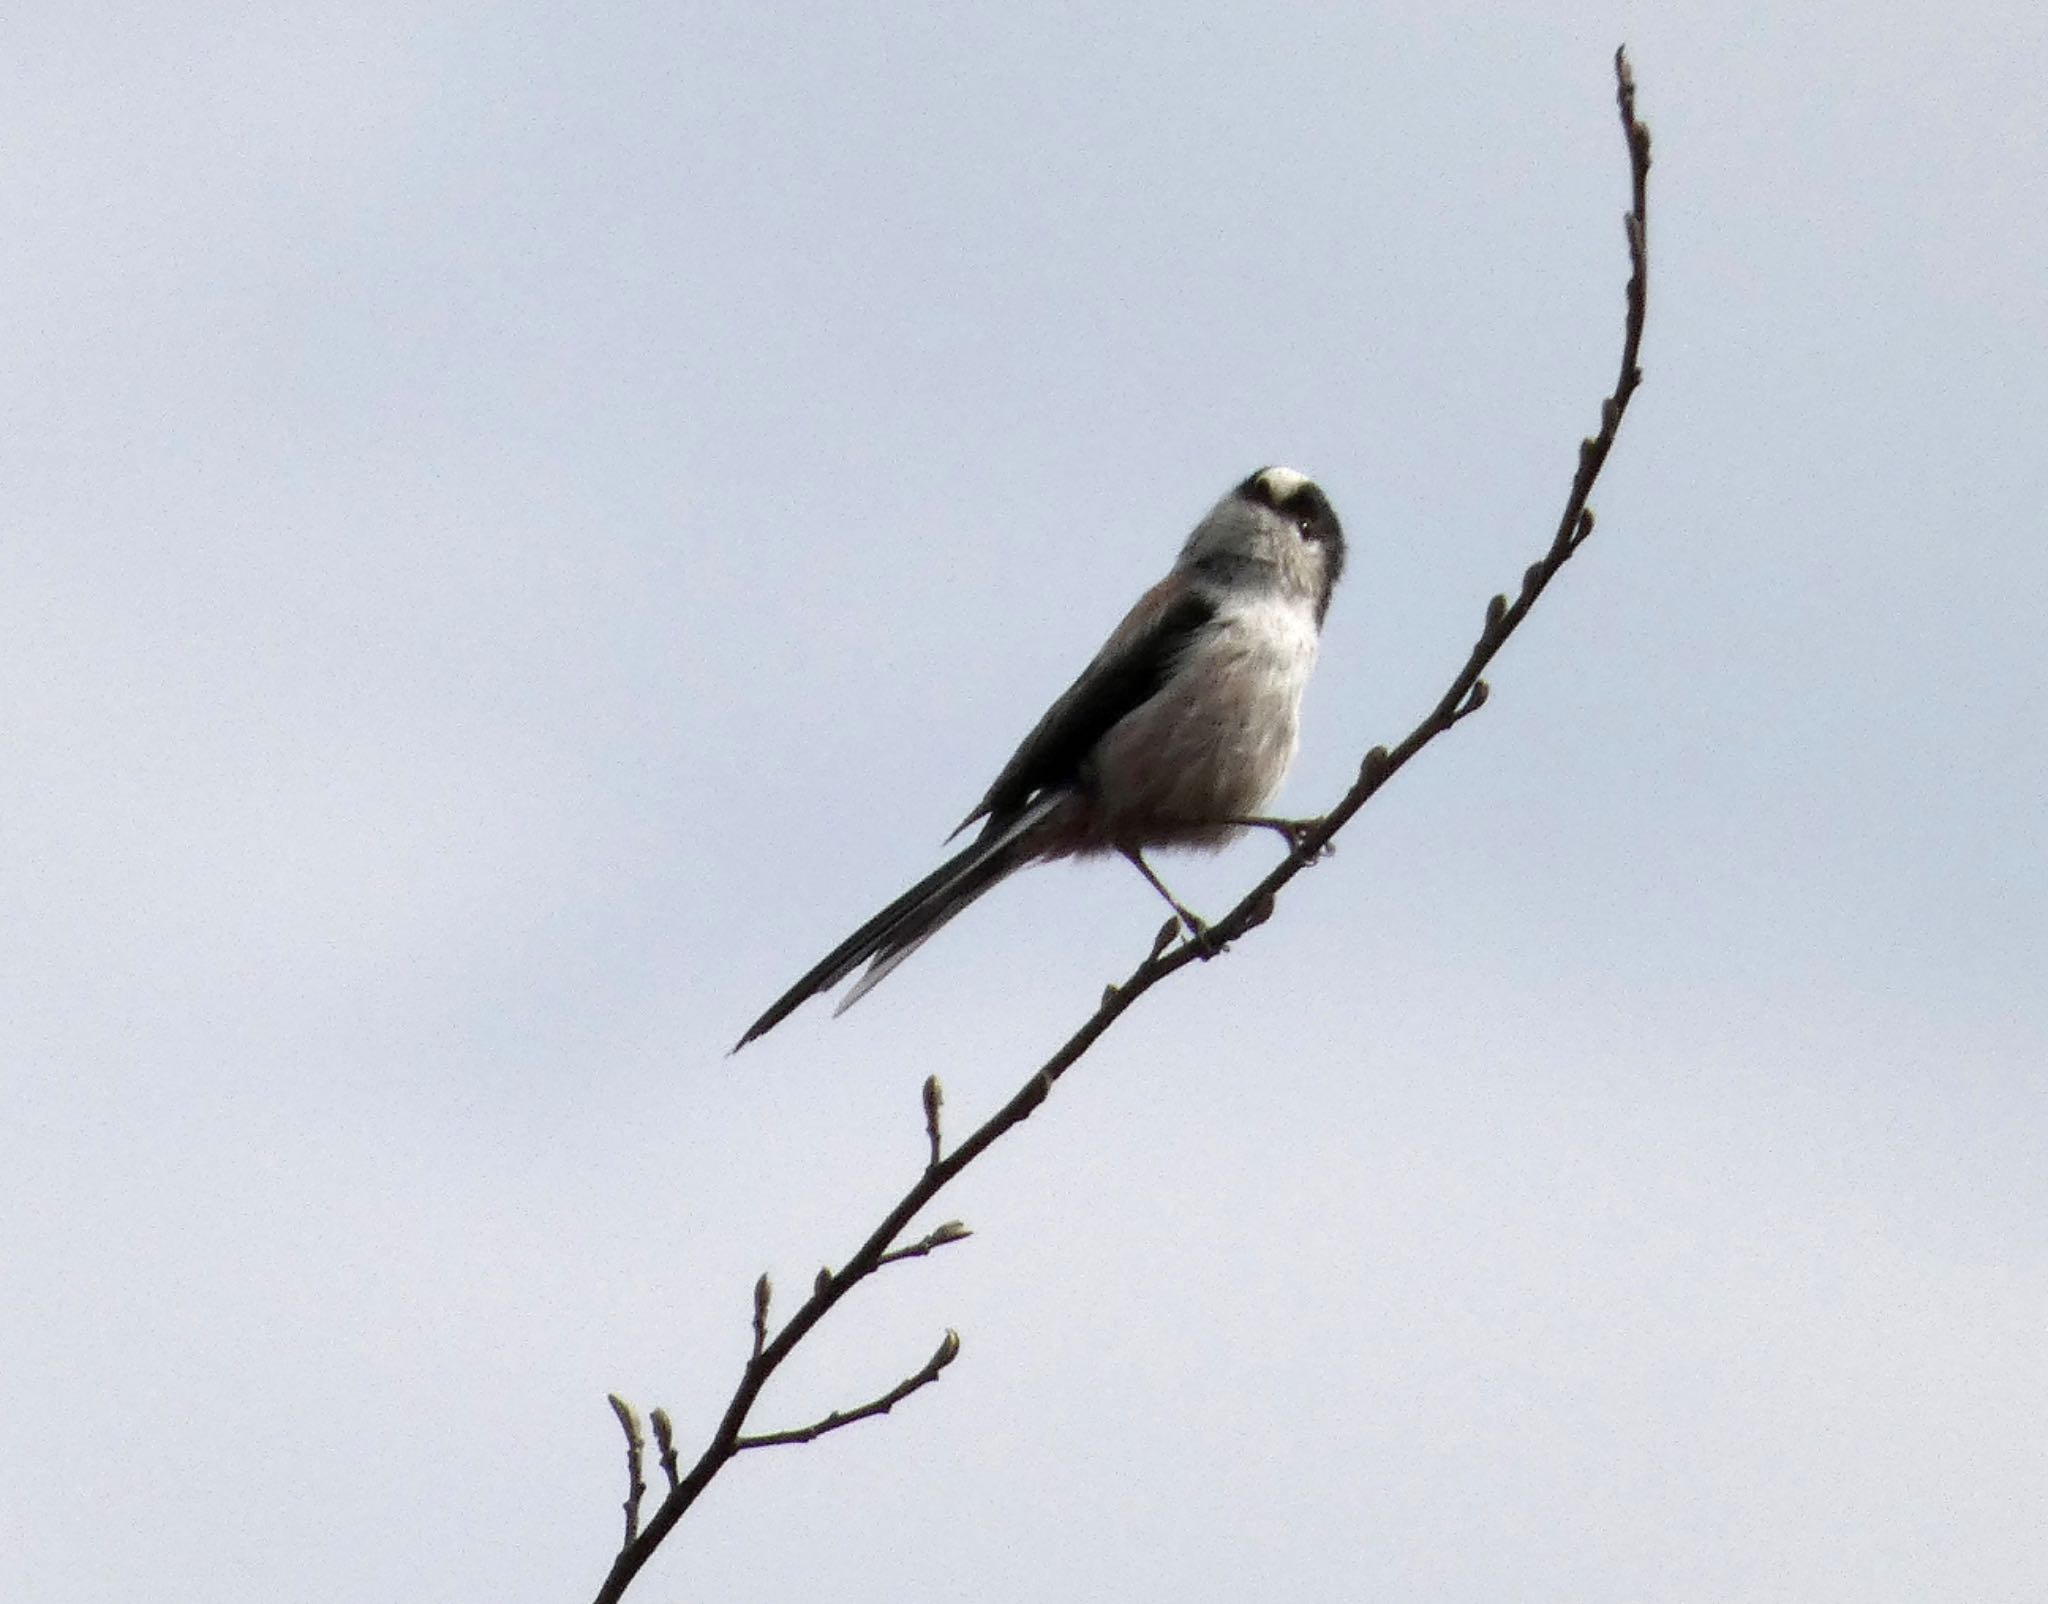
525 525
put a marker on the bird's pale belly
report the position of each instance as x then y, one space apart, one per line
1212 746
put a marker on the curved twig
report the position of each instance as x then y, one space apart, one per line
1465 696
947 1351
636 1448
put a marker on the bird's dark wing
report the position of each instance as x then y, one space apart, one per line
1133 664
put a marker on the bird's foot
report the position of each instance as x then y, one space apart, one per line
1199 936
1191 930
1197 928
1296 832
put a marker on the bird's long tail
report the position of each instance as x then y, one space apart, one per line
912 919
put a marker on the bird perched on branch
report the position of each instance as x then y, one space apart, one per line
1174 736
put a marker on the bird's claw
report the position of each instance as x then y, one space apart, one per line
1298 838
1295 832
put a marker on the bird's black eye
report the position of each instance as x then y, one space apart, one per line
1310 512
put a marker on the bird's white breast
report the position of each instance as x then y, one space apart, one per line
1217 739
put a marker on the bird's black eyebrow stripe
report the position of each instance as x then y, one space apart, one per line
1308 498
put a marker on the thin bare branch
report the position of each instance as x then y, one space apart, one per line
947 1351
665 1440
1464 696
951 1231
636 1447
934 1100
764 1289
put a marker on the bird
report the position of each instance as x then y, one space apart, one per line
1174 735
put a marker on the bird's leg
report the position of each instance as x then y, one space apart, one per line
1197 927
1297 831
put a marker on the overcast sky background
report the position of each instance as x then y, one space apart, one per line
523 526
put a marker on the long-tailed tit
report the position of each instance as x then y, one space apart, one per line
1175 735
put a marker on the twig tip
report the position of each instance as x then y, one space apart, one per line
934 1100
764 1289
